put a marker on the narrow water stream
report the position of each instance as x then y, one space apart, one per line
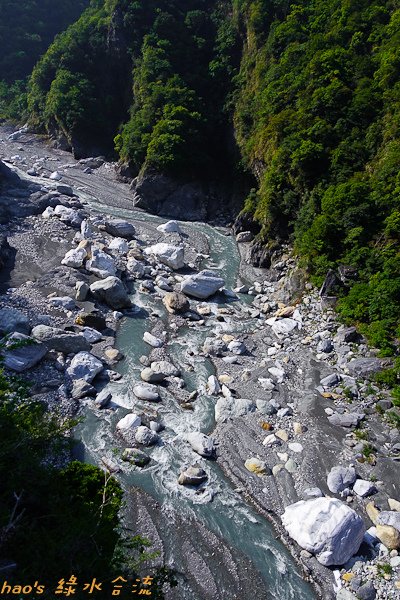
219 507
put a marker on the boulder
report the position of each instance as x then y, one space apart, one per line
389 536
135 267
112 292
283 327
330 380
152 340
64 302
346 420
120 228
341 478
93 319
237 347
146 391
388 517
169 227
74 258
176 303
244 237
214 347
364 488
91 335
60 340
65 190
165 367
256 466
201 443
130 421
101 264
202 285
103 398
82 290
146 436
167 254
364 367
194 475
227 408
84 366
119 244
12 320
213 386
326 527
22 352
150 376
136 457
81 389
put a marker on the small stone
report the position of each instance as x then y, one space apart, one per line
298 428
291 466
255 465
277 469
394 504
295 447
282 435
367 591
389 536
364 488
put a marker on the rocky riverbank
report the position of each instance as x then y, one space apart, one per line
298 417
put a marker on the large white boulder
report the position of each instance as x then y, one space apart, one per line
201 443
74 258
229 407
130 421
101 264
202 285
326 527
167 254
170 227
84 366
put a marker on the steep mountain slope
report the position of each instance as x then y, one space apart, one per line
27 28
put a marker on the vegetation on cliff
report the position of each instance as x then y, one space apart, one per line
27 28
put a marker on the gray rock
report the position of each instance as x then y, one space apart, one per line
202 285
167 254
244 237
340 478
120 228
60 340
366 591
230 407
213 386
64 302
146 392
346 420
112 292
326 527
389 517
82 290
81 389
22 352
214 346
65 190
13 320
364 488
165 367
344 594
136 457
346 335
201 443
283 327
314 492
265 407
364 367
237 347
101 264
145 436
194 475
84 366
103 398
91 335
330 380
325 346
150 376
152 340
